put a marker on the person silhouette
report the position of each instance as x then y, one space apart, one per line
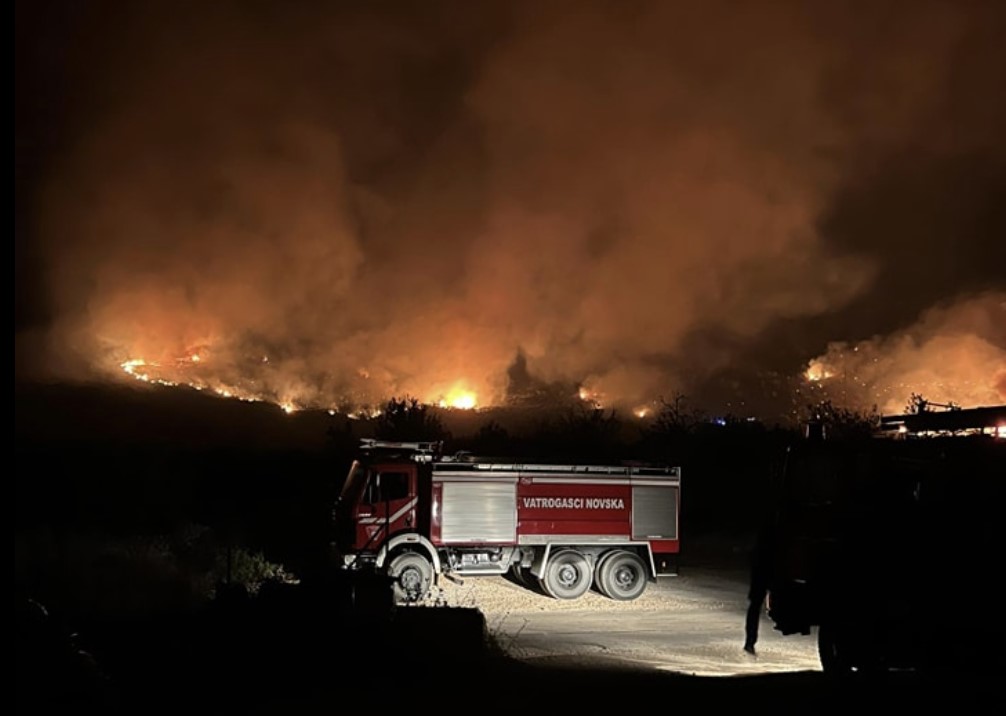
762 559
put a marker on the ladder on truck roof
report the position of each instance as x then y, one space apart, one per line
432 451
423 451
542 468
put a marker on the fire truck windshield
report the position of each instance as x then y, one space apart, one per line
355 483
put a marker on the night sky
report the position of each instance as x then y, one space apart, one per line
326 204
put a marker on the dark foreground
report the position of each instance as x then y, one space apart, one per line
315 648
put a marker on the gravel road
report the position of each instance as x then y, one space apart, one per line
690 624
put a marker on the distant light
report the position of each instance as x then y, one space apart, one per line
720 421
194 358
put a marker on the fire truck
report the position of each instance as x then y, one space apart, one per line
411 513
888 547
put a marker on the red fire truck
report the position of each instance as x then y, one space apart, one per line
414 514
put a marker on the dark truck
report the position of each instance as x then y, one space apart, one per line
891 550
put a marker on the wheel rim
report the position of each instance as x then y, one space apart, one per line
568 577
411 578
411 582
626 577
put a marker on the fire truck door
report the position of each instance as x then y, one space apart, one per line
388 505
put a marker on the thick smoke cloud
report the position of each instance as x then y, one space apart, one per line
333 203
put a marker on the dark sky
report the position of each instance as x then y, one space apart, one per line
327 203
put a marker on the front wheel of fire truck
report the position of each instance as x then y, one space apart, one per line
411 574
568 575
622 576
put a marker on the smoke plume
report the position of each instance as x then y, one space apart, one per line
952 355
328 204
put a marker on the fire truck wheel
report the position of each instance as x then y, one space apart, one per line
522 577
622 576
597 571
568 575
412 575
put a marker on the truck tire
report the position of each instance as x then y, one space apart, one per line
568 575
597 571
412 575
517 575
622 576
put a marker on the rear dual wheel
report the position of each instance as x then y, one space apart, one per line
621 575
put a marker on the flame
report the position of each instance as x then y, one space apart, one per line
817 371
459 398
591 396
130 367
641 412
139 369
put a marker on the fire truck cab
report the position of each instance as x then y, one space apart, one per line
413 514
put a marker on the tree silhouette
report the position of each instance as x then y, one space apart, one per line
675 418
843 423
492 439
407 418
582 433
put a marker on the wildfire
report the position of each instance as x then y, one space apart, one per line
641 412
592 397
817 371
131 366
460 399
138 368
